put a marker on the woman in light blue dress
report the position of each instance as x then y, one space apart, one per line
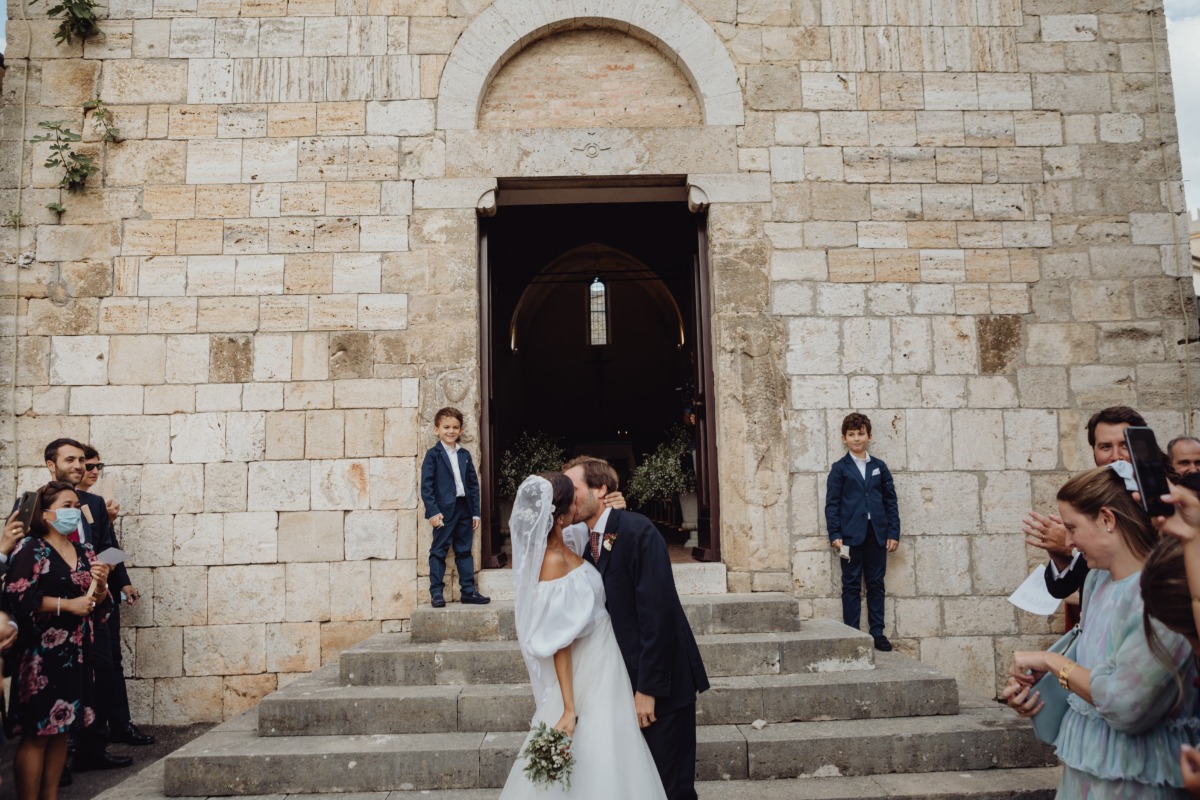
1131 706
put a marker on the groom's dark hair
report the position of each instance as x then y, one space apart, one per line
596 472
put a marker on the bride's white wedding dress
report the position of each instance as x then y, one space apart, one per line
611 757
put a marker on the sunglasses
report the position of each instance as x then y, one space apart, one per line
90 467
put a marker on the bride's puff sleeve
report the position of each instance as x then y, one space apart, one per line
564 612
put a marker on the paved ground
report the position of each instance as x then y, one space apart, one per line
89 784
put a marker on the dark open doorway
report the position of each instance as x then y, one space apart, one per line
591 320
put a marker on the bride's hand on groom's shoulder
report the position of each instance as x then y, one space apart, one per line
615 500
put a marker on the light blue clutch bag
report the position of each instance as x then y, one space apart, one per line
1054 697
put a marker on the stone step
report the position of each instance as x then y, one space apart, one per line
321 705
690 578
994 784
820 645
236 762
1037 783
764 612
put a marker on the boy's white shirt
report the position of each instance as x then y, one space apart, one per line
459 489
861 463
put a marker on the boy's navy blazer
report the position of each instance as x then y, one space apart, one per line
848 499
437 481
652 631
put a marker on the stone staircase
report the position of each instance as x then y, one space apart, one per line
442 711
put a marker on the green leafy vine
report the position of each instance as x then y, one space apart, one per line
76 167
77 20
103 121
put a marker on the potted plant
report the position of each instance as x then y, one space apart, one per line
667 473
530 453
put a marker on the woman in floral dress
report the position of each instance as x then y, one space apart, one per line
47 582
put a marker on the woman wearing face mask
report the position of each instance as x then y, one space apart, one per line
47 583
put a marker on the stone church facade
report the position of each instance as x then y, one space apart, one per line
962 217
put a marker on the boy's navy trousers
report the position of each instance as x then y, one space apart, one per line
456 533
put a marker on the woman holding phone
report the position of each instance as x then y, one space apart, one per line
47 590
1130 704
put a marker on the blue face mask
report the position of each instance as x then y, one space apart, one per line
65 520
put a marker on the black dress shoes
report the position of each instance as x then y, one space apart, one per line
437 601
475 599
129 734
87 763
882 644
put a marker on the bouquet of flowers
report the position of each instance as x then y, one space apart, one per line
549 757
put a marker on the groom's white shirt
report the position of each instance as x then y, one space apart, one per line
577 536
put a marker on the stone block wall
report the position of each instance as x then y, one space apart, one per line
963 219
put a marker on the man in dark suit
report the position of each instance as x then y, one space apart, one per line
862 515
120 722
1067 571
660 652
65 462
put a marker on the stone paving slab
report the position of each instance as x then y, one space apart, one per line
395 659
759 612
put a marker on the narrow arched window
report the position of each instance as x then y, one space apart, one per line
598 313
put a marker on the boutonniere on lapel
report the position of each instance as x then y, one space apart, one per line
609 538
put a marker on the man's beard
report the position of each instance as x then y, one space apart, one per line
65 477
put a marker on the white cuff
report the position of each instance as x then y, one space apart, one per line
1054 567
3 558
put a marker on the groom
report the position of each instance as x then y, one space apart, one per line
656 642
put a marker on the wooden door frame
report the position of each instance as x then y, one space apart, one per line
708 495
583 192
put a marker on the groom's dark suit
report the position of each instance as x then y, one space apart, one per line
656 642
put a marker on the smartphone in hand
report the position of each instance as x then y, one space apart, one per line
1148 470
25 509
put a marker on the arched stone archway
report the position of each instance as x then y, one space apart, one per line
507 26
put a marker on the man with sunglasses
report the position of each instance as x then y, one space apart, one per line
92 467
120 721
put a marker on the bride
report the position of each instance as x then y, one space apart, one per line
580 684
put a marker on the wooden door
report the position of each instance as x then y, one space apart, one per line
491 542
708 532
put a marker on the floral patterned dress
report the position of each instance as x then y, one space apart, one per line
52 684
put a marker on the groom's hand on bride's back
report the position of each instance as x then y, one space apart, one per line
615 500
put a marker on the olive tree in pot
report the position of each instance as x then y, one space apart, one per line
529 454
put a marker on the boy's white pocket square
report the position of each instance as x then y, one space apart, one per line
875 472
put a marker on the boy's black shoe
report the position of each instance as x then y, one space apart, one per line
882 644
475 599
129 734
437 601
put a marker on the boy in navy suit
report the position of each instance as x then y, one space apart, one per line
450 492
861 513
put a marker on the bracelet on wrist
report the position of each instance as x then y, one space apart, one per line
1064 675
